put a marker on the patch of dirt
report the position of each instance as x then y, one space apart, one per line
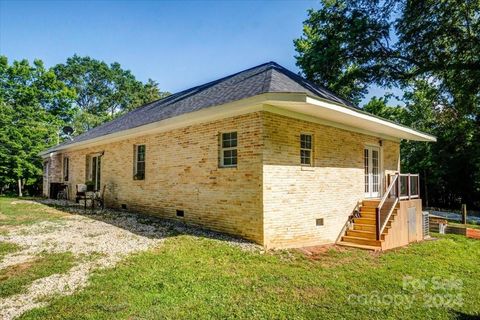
24 202
310 293
16 269
318 252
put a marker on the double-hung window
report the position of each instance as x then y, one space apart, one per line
139 162
66 164
228 154
306 149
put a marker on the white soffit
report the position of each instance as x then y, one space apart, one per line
347 117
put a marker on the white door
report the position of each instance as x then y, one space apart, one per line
371 160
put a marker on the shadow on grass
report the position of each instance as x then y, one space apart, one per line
142 224
464 316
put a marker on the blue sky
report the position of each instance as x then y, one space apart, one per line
179 44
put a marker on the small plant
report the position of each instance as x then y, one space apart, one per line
90 185
139 176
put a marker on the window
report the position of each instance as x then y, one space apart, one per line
66 163
306 149
139 165
228 156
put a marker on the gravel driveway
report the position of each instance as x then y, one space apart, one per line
108 236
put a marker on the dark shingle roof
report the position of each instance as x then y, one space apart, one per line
267 77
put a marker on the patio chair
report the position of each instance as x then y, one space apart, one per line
63 193
99 198
81 194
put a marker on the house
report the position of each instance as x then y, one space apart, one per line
262 154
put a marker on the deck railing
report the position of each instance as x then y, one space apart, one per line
400 187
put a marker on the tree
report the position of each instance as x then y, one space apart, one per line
348 45
103 91
33 104
428 48
378 106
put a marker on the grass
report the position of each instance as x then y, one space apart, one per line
189 277
25 213
6 248
461 225
16 278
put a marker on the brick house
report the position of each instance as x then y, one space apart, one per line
262 154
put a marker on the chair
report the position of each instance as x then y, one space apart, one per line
63 192
100 198
81 193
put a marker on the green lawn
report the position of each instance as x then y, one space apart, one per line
15 278
6 248
25 212
468 225
190 277
205 279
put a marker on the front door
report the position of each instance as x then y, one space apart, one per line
371 160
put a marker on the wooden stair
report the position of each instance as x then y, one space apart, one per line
363 233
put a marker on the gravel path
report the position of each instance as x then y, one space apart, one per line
109 236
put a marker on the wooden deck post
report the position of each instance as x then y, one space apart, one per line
464 213
377 223
409 187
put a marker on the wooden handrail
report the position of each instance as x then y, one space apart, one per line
381 222
380 225
387 192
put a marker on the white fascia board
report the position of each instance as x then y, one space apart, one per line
369 122
342 116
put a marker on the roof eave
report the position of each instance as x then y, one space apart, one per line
374 123
350 118
298 102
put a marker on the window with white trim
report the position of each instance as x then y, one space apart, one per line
228 154
306 149
139 162
66 164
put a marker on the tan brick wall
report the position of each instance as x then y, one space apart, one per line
295 196
54 173
182 173
269 198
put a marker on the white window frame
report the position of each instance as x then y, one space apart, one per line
135 161
306 149
223 149
66 170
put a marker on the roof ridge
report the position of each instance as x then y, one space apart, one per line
267 84
311 85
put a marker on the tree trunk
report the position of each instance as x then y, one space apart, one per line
20 187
